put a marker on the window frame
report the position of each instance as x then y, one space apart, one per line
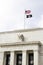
5 53
18 52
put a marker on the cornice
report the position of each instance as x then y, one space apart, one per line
21 30
21 43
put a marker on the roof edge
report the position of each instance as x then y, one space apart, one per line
21 43
22 30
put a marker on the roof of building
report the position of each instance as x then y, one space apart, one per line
22 30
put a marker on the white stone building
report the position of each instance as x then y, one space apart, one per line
21 47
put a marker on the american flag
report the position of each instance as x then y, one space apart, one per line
27 11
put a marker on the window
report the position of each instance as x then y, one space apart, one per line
7 59
19 59
30 59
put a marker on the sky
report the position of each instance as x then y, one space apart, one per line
12 14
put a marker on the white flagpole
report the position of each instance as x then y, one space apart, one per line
24 20
27 13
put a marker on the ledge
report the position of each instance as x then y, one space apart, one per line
21 30
21 43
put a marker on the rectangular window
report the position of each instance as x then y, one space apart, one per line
19 59
7 59
30 59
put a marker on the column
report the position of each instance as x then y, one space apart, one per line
1 58
36 56
12 56
24 58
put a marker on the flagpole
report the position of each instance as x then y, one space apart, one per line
28 15
24 19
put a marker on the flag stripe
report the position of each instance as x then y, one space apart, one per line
27 11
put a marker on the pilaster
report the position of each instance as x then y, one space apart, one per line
12 56
1 58
36 57
24 58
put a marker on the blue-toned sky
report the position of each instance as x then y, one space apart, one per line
12 14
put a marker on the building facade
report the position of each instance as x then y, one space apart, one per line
21 47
